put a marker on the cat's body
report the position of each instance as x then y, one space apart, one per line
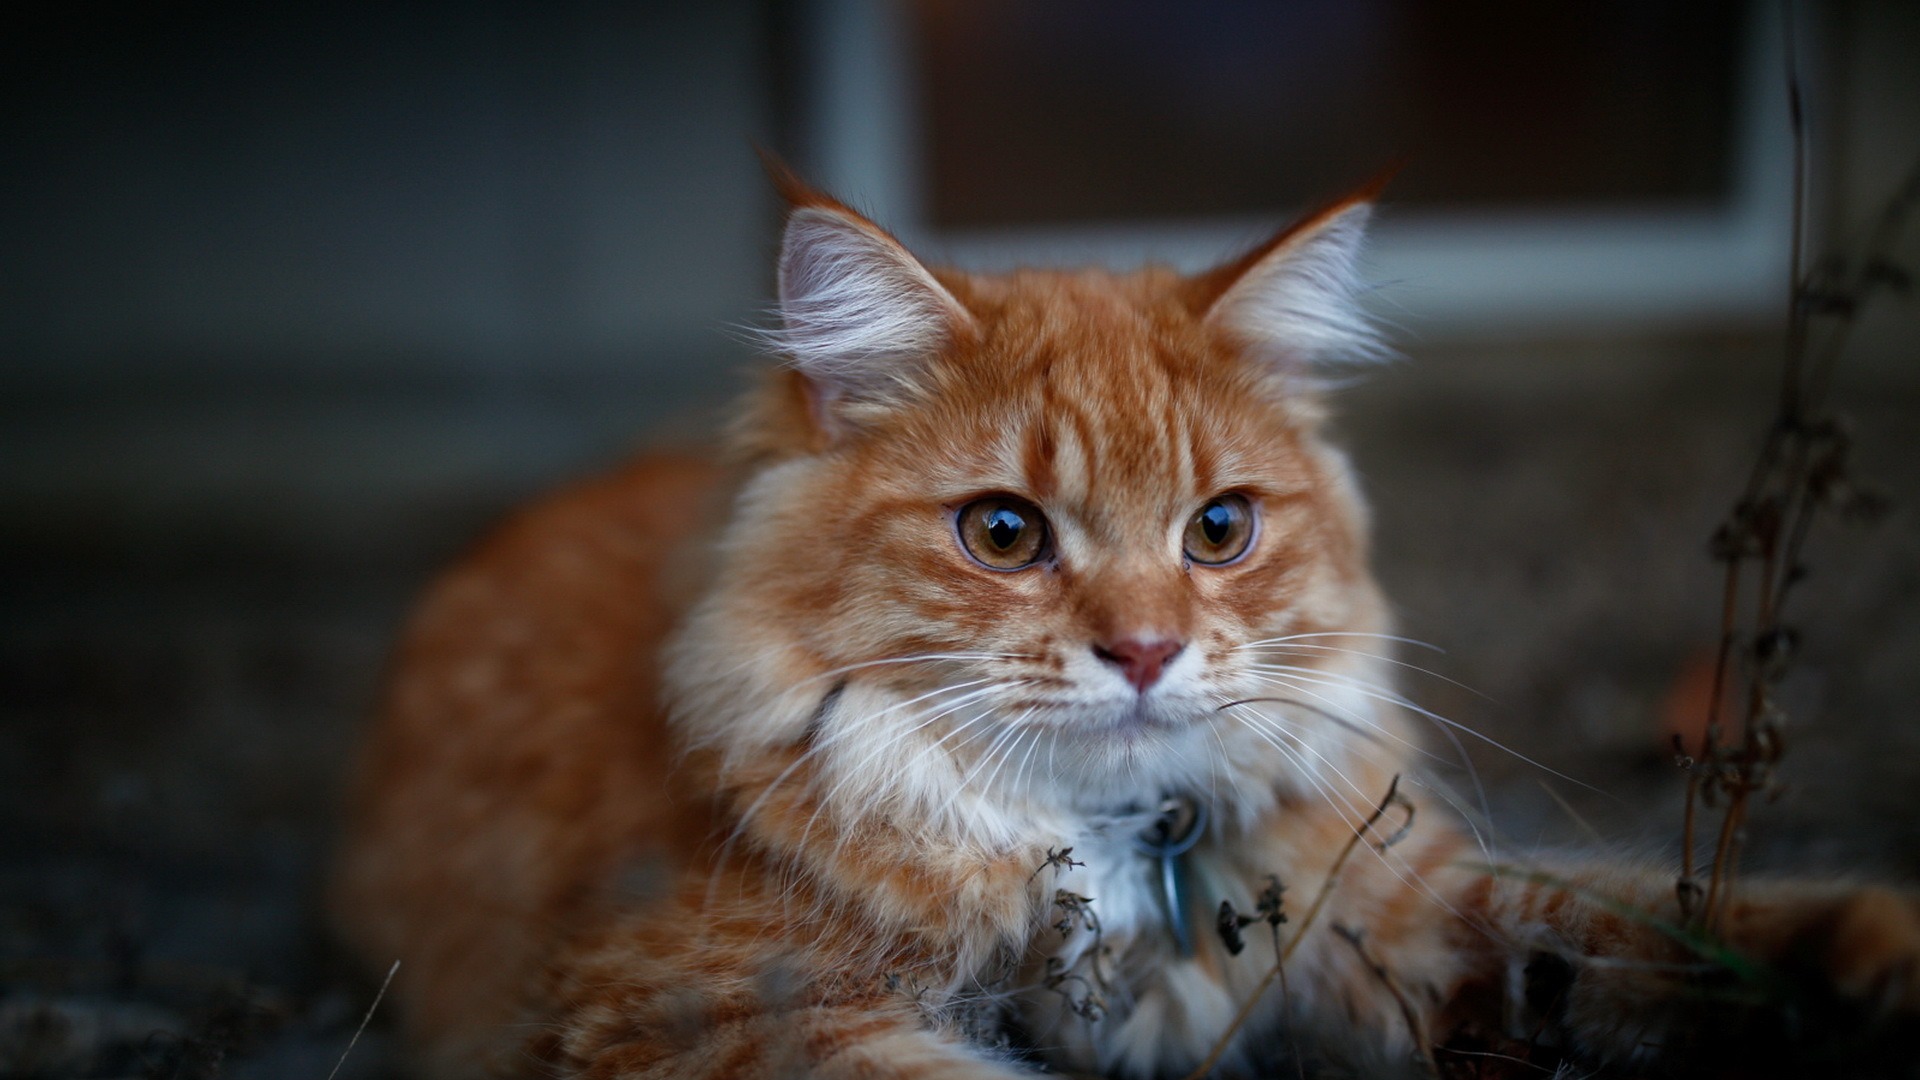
772 769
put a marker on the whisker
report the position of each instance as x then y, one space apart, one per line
1290 647
1481 839
918 658
968 741
946 709
1396 699
740 827
1416 642
986 786
976 689
1341 806
1459 749
1587 827
1384 764
999 737
1274 679
1318 710
1020 775
1410 878
1219 763
1011 728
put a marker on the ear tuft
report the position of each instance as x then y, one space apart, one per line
857 310
1295 297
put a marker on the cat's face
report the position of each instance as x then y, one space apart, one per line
1043 529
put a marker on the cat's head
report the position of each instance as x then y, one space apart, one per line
1043 538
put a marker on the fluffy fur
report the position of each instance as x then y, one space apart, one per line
751 770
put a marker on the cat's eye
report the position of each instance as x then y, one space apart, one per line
1002 532
1220 531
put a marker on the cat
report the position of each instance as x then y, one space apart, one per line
1013 695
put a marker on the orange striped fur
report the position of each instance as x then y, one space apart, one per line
753 769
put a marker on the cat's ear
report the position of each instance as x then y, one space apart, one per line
859 315
1295 298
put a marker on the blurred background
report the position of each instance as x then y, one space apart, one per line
296 298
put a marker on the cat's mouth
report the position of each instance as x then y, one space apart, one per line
1142 716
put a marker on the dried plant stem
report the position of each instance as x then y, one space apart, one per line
1792 386
1721 883
1306 922
1800 470
1286 1004
1416 1027
1333 875
1688 887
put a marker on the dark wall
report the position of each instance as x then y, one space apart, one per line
273 187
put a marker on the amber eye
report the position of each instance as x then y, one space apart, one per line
1003 532
1221 531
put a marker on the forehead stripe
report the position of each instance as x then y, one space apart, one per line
1038 450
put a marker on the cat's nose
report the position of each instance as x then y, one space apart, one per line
1141 660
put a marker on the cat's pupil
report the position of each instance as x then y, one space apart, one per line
1215 522
1003 527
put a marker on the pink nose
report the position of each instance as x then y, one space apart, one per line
1140 661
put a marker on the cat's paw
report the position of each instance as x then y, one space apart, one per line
1835 990
1870 952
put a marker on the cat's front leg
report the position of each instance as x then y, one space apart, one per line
761 1025
1597 961
1868 946
857 1041
656 996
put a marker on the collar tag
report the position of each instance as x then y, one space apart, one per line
1167 839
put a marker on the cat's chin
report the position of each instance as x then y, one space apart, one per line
1144 723
1138 750
1130 736
1141 718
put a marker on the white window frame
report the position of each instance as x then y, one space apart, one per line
1442 275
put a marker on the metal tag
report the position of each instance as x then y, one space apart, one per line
1181 823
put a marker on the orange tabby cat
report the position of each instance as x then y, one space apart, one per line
1029 621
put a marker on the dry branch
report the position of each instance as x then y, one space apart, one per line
1391 798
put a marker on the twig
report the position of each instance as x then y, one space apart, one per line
1286 1009
1093 1004
365 1020
1416 1027
1720 885
1326 886
1306 921
1061 859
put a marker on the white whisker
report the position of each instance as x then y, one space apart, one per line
1361 812
1416 642
1011 728
976 689
916 658
1287 681
1402 702
1383 658
1481 839
1019 782
1460 750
